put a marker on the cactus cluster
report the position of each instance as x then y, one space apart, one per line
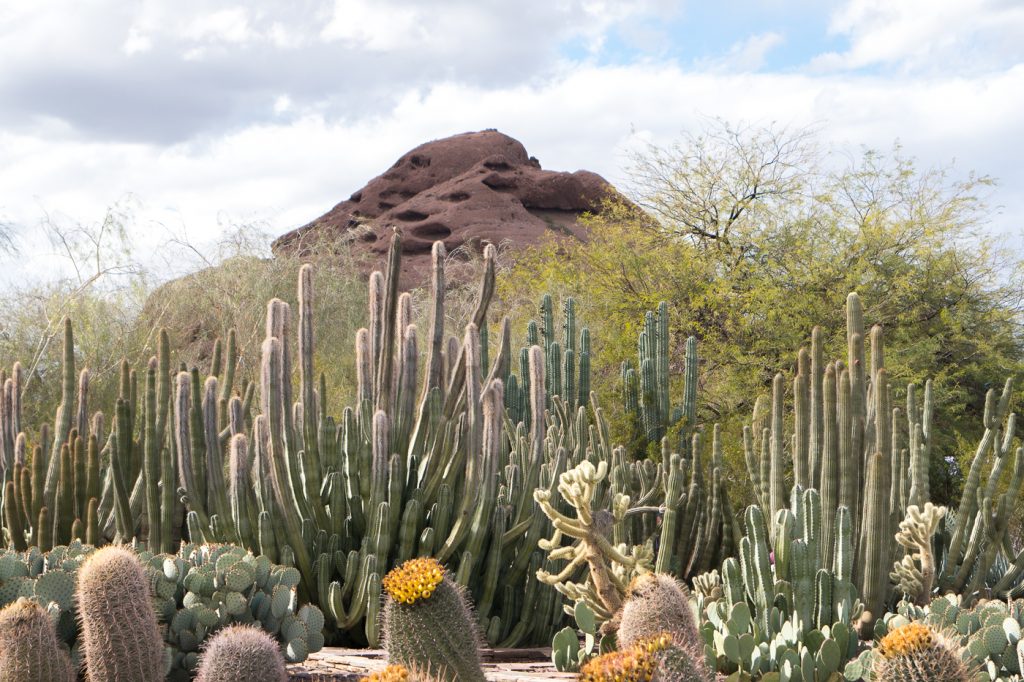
794 615
698 530
850 442
988 633
977 559
194 594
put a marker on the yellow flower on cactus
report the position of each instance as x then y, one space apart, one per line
414 580
636 664
906 639
392 673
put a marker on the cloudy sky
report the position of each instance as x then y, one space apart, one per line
213 113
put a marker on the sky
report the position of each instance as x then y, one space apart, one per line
202 115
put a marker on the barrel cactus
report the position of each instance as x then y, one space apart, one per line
658 604
656 659
916 653
29 649
427 622
241 653
120 635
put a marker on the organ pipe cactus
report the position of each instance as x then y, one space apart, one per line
851 443
795 615
646 387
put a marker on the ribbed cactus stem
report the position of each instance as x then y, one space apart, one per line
802 423
242 652
272 409
29 648
777 497
65 412
119 630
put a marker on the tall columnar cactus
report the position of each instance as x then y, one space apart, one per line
120 636
29 649
244 654
849 442
916 653
646 387
428 624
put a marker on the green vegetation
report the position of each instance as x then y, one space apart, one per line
753 244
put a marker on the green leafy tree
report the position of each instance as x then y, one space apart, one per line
752 244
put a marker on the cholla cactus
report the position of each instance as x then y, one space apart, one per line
914 574
611 567
916 653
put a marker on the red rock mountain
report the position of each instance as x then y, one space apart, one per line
468 189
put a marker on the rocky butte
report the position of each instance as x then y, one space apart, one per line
466 190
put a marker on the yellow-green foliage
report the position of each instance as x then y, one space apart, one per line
751 287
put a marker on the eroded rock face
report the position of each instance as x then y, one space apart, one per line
466 190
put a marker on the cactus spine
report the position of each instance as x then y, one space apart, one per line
428 625
916 653
242 653
29 650
120 636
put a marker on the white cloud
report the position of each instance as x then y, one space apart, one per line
375 26
272 121
746 55
929 35
230 25
289 172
